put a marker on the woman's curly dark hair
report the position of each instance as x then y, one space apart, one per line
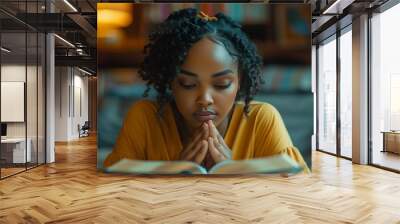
170 42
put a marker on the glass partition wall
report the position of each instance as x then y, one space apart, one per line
385 89
327 95
334 94
345 108
335 125
22 88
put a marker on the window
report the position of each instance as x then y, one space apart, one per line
385 88
327 96
346 93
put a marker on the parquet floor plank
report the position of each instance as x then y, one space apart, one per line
73 191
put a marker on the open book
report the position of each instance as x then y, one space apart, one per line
267 165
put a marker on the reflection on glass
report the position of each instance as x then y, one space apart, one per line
394 101
327 96
345 94
14 151
31 101
41 99
22 90
385 89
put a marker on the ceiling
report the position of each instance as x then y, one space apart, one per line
332 15
76 22
72 20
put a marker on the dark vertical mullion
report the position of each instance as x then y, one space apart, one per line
317 95
338 98
88 100
45 94
73 92
45 88
369 88
60 88
37 89
26 86
69 93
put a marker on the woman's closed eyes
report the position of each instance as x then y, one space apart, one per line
223 86
191 85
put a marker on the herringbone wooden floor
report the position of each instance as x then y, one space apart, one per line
72 191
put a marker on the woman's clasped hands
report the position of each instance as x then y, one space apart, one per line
206 146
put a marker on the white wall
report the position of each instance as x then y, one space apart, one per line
61 103
15 73
71 93
33 127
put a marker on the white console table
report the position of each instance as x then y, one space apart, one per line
17 146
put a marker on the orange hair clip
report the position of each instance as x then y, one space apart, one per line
206 17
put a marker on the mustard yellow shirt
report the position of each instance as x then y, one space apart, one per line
145 136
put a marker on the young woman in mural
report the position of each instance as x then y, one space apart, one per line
206 72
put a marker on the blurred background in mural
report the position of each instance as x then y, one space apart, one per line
281 33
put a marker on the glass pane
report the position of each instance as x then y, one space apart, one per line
13 87
41 98
385 89
31 100
327 97
346 94
22 67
